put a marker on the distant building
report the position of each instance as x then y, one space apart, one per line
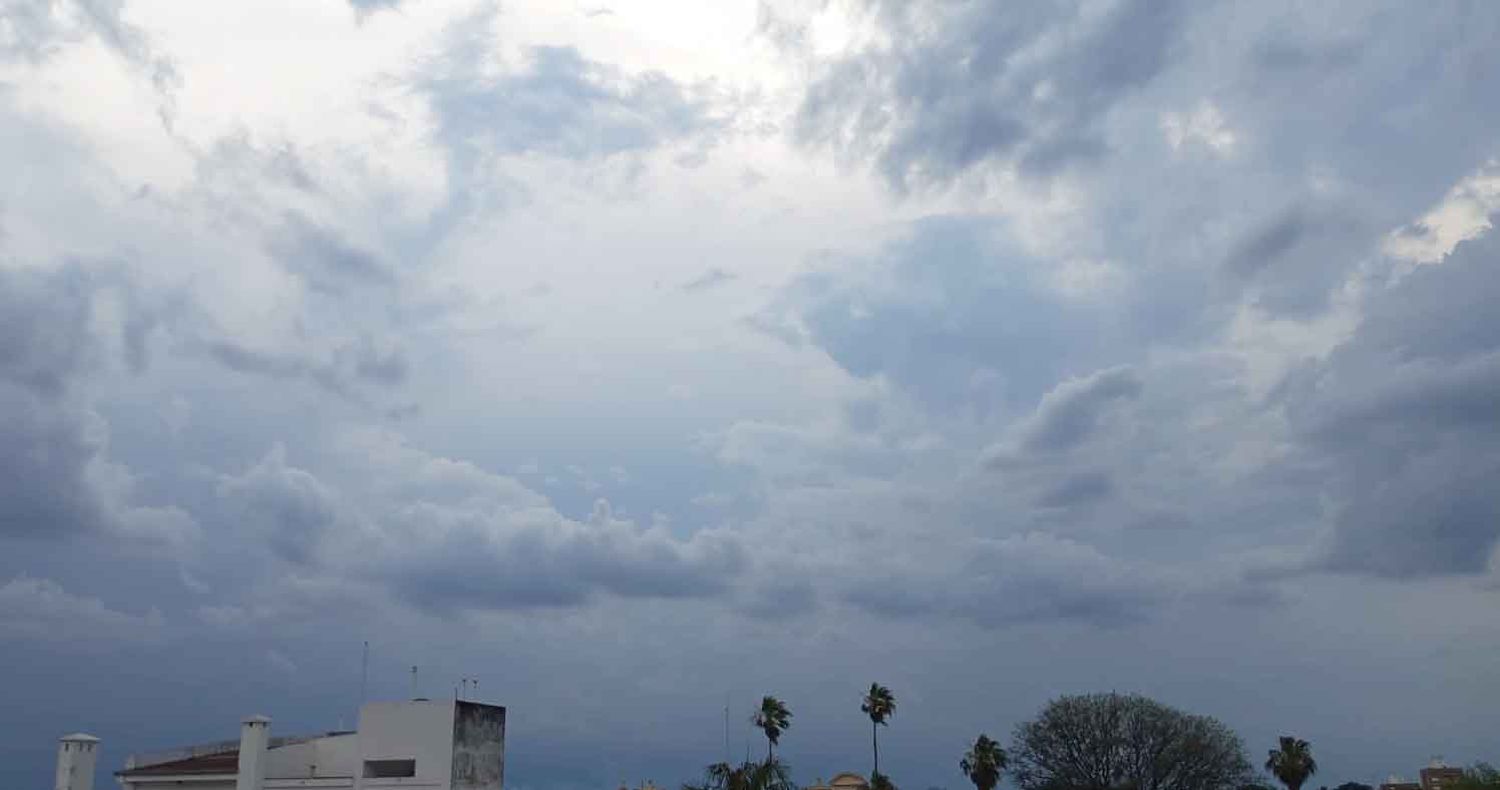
843 781
431 745
1438 775
1397 783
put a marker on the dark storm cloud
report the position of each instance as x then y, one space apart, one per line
46 459
987 81
1404 421
55 477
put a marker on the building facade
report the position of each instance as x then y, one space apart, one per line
1438 775
416 745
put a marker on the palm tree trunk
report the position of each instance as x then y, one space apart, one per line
875 742
768 751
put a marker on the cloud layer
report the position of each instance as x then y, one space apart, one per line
633 361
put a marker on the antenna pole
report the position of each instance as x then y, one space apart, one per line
413 681
364 676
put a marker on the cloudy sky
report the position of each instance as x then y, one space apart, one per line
641 357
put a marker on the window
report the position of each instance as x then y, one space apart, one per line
386 769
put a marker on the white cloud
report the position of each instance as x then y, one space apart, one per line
1204 126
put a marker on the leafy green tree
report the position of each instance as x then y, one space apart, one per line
773 719
769 775
1480 776
1114 741
984 763
879 704
1292 762
1354 786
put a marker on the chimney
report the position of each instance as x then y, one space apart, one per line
76 755
255 737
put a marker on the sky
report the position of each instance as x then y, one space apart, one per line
640 358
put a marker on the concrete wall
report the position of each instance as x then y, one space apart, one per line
478 747
328 756
417 730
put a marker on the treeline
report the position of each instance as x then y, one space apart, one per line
1083 742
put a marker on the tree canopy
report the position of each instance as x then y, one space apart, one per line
1291 762
1480 776
769 775
773 719
1113 741
984 762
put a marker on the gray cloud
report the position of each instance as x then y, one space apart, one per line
1026 84
55 476
41 610
337 372
287 508
363 8
1297 257
446 535
1023 578
537 558
558 103
44 337
1071 412
710 279
324 260
932 309
1078 490
1404 422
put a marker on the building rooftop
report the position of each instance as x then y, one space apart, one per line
219 763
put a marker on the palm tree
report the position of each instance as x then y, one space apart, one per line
1292 762
747 776
879 705
773 719
984 763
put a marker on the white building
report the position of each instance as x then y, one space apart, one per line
431 745
76 756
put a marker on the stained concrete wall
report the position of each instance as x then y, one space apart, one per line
478 746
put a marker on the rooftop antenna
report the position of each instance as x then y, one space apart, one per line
364 675
413 681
